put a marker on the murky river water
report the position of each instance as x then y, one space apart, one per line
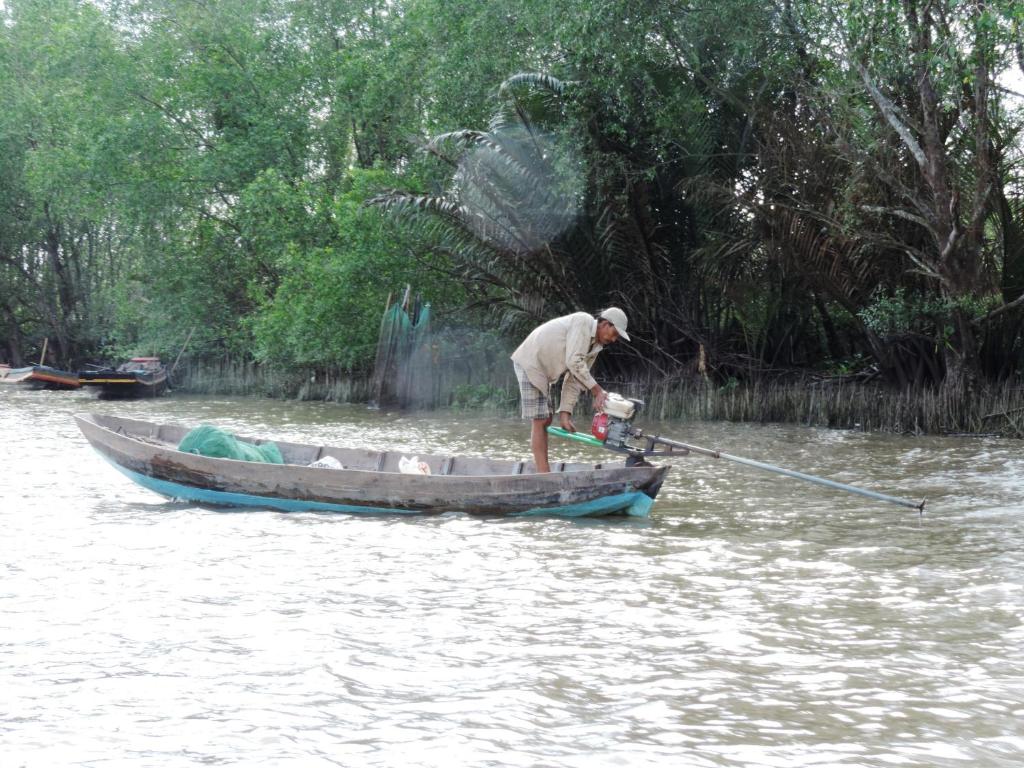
751 621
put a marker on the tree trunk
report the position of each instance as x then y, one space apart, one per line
963 363
62 305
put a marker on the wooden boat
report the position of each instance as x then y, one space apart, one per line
370 481
39 377
139 377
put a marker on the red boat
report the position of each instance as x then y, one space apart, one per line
39 377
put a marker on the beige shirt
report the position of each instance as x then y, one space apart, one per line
566 343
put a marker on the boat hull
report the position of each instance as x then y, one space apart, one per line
634 504
113 385
293 487
40 377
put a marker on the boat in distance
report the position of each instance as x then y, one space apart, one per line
368 481
39 377
139 377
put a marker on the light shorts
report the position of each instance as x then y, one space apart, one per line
535 402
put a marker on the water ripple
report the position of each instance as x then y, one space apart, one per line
752 621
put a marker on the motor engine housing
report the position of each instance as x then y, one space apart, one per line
613 425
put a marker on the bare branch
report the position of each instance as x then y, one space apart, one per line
1018 302
898 213
889 111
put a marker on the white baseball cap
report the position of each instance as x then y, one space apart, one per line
616 317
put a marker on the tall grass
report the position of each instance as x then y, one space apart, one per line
235 377
839 404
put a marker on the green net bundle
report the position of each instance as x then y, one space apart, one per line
210 441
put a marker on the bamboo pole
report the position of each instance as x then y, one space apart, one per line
187 340
918 505
687 448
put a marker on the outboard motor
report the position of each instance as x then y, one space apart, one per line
612 425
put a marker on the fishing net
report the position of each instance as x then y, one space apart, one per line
404 370
210 441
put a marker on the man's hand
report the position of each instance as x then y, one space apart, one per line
565 421
599 397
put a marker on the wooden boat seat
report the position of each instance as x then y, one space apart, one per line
304 455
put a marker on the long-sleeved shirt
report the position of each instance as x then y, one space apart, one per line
564 344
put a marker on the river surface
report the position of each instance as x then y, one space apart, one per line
753 620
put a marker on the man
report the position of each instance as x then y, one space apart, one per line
566 345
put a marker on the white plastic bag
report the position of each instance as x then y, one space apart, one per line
413 466
327 462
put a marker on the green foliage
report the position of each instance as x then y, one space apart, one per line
512 204
898 312
327 306
744 178
63 110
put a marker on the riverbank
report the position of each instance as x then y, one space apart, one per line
838 403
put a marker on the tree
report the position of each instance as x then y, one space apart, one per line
936 154
62 109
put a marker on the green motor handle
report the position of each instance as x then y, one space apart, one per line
577 436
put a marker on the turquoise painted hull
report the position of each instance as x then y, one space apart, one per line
635 504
